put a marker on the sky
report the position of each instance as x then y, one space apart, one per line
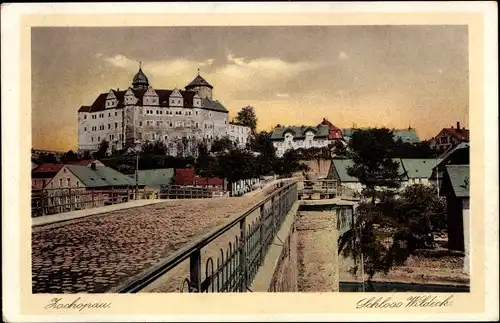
363 76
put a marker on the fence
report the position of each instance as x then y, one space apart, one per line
184 192
327 188
59 200
234 268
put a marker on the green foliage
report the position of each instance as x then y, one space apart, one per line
247 117
101 152
406 150
69 157
371 152
45 158
408 222
338 149
221 144
85 155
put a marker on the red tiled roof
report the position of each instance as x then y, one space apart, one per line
48 168
461 135
187 176
82 162
334 132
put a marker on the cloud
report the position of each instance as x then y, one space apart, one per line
343 56
239 77
283 95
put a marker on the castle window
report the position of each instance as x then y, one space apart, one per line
85 116
197 126
166 138
225 121
116 125
170 123
85 129
196 112
210 114
140 123
109 114
109 125
116 113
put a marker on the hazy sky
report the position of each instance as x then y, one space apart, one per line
392 76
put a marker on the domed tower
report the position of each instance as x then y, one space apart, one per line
202 87
140 80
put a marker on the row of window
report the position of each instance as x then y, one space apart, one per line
101 127
77 183
101 115
111 137
178 113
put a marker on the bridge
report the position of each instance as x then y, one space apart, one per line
254 244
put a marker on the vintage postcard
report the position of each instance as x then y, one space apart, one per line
250 161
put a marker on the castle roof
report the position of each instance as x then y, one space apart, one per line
198 81
140 79
163 98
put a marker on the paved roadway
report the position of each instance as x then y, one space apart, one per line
100 251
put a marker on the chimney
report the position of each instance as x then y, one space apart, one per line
93 166
458 125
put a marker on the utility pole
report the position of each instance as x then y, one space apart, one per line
136 169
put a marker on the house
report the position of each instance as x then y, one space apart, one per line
334 133
75 186
187 177
294 137
338 172
41 175
405 135
93 177
153 180
418 170
455 187
457 155
449 137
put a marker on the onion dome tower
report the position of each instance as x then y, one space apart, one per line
140 80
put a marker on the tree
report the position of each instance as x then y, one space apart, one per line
69 157
85 155
371 152
46 158
247 117
338 149
408 224
221 144
205 164
103 148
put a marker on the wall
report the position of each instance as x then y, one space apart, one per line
317 246
319 166
286 275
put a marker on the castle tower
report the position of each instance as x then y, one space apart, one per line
140 80
201 86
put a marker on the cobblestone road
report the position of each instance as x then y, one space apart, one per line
93 254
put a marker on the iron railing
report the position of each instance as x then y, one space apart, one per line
234 268
327 188
184 192
59 200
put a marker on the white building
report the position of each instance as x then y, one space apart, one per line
180 118
285 138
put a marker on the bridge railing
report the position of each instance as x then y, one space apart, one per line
328 188
49 201
235 267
